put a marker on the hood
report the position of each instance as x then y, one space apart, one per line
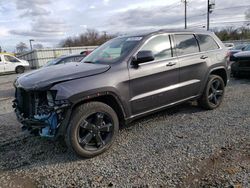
244 55
46 77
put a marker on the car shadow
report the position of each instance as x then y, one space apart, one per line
28 150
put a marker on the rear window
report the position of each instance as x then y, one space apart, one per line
186 44
207 43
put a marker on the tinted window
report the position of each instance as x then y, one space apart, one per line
207 43
160 46
113 51
78 58
11 59
247 48
67 60
186 44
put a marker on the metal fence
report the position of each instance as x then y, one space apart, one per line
38 58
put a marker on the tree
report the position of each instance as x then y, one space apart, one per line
0 49
21 47
233 33
90 38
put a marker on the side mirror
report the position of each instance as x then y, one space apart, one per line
143 57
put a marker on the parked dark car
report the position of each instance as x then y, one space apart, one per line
124 79
65 59
238 48
241 64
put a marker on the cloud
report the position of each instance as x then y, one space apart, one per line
170 17
33 8
35 11
44 28
106 2
3 32
26 4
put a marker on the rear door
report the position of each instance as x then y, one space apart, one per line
193 64
154 84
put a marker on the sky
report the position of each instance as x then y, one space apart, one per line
50 21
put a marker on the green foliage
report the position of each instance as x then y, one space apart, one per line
232 33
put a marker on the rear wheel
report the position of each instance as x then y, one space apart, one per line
92 129
20 69
213 93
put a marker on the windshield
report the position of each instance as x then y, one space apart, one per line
247 48
52 62
113 51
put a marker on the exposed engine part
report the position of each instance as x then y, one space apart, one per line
40 111
51 120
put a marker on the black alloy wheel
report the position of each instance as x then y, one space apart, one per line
95 131
92 129
216 92
213 93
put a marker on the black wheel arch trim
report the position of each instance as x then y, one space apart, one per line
215 68
88 98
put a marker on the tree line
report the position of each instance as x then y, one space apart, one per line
233 33
89 38
94 38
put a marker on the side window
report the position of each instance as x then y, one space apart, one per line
160 46
11 59
78 59
0 59
186 44
207 43
67 60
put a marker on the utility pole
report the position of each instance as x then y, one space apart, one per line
185 12
210 7
31 40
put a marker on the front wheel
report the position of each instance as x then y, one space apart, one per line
92 129
213 93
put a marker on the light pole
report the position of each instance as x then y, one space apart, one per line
31 40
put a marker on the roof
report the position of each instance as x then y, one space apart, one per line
148 33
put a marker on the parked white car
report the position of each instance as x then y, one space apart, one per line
9 63
229 45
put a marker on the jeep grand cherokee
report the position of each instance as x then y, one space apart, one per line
126 78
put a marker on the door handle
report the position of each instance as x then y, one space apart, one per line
169 64
204 57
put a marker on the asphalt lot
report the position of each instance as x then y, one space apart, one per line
184 146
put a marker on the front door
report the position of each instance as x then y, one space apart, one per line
154 84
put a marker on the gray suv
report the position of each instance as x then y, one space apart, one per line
124 79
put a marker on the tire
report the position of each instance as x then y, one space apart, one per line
212 95
20 70
86 135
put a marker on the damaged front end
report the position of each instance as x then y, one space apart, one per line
39 111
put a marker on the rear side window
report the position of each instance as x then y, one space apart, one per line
207 43
11 59
186 44
160 46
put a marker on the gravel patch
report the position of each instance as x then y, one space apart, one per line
184 146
